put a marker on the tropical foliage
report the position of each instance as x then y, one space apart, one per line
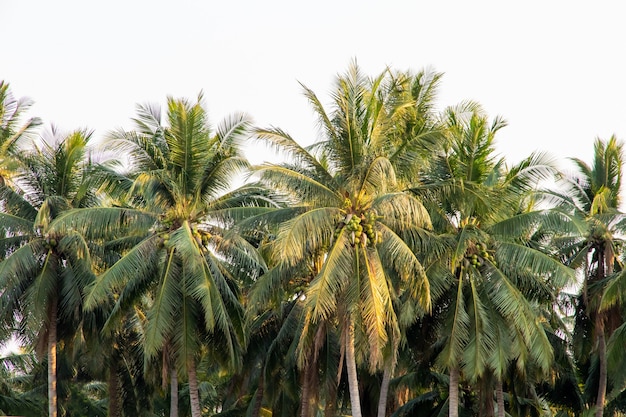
395 266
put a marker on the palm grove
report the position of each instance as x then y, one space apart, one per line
397 266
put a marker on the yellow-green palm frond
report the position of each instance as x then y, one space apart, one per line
377 310
144 151
513 256
337 271
282 142
217 176
164 311
233 248
401 211
401 262
305 188
139 264
231 132
378 177
482 342
306 233
104 222
458 322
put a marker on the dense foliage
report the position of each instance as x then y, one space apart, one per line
397 266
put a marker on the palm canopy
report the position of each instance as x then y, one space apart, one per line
492 271
13 131
592 198
41 265
349 214
45 272
170 223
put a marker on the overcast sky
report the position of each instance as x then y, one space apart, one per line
555 70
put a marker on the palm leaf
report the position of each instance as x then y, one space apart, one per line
337 270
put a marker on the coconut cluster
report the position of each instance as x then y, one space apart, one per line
201 237
361 228
477 256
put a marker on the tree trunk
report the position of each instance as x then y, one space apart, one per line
453 396
305 405
173 392
353 381
603 371
384 390
52 360
193 389
607 262
258 397
115 410
500 397
487 403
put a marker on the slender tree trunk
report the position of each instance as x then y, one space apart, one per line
607 262
52 360
486 398
500 397
305 405
258 397
453 396
353 381
384 390
603 365
193 389
115 410
173 392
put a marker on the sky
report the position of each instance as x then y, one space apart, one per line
553 69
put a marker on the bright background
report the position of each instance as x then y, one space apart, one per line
554 69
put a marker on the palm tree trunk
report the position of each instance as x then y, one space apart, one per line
331 402
353 381
384 390
113 388
193 389
52 360
305 405
453 395
500 397
603 371
258 397
173 392
487 399
607 257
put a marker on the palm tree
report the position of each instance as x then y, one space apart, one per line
44 273
351 218
592 197
183 255
483 280
12 131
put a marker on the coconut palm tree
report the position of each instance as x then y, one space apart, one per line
178 211
44 273
13 131
484 279
350 217
592 198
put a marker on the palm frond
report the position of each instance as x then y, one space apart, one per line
294 182
401 262
164 312
306 233
376 305
512 256
141 261
337 270
103 222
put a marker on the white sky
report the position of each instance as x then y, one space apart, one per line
554 69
